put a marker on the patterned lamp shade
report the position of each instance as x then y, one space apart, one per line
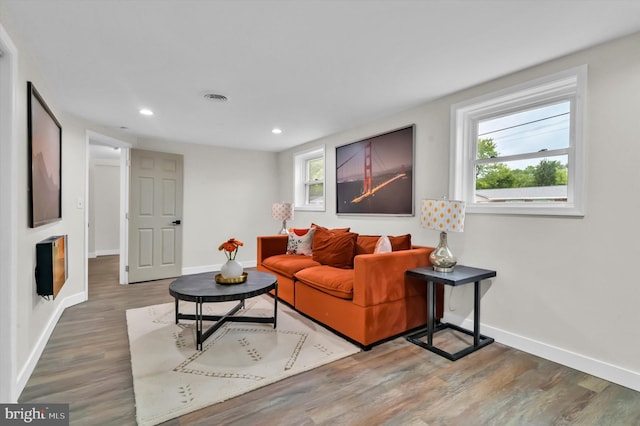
442 215
282 211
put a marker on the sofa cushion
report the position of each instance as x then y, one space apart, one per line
288 264
366 244
335 249
300 243
334 281
400 242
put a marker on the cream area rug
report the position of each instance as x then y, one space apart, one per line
172 378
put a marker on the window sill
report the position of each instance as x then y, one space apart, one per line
530 209
309 208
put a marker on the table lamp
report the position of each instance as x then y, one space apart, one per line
442 215
283 212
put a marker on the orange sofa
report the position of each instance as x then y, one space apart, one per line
369 303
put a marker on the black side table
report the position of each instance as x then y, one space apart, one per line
460 275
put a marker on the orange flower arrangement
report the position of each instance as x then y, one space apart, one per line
230 248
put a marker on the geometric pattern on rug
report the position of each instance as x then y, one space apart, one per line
248 356
172 378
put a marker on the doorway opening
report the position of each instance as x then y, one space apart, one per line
107 200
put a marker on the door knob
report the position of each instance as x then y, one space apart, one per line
176 222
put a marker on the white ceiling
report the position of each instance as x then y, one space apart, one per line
312 68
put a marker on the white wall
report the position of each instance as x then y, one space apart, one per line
36 316
565 288
227 193
104 207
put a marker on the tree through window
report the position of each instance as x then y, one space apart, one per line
526 149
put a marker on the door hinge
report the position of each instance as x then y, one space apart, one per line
126 268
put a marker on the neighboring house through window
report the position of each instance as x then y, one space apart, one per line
309 180
521 150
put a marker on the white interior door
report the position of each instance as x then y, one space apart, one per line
155 215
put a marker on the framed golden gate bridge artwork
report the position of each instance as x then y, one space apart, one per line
375 175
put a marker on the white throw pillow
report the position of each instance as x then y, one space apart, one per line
300 244
383 245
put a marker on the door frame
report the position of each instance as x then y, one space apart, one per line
9 391
94 138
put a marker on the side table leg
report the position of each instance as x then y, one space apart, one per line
431 296
176 310
476 314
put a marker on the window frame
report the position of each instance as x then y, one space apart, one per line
301 183
569 85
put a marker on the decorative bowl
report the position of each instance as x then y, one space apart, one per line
235 280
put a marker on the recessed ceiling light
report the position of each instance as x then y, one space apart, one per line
145 111
276 131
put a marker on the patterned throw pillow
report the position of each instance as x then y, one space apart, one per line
300 244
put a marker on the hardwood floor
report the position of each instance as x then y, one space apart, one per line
86 363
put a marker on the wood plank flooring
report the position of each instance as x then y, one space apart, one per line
86 363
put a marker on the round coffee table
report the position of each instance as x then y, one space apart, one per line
203 288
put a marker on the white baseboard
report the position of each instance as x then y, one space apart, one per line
36 353
108 252
598 368
199 269
215 267
91 255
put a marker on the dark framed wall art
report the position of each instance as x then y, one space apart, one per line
375 175
45 157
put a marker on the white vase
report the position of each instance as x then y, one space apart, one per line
231 269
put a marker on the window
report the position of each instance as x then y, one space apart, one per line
521 150
309 180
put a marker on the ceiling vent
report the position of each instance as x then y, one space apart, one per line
215 97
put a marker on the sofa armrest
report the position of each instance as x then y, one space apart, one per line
271 245
380 278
